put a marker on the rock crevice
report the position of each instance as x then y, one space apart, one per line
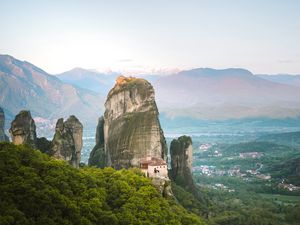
97 155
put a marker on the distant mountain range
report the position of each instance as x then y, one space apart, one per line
90 80
25 86
224 94
202 93
206 93
293 80
97 81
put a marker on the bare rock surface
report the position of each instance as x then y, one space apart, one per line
131 126
181 151
3 136
23 129
67 140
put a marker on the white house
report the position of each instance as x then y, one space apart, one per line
154 167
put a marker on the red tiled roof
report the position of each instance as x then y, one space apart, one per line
153 161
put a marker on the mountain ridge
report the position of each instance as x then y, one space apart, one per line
225 93
293 80
26 86
200 93
89 79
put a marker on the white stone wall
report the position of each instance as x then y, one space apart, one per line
163 171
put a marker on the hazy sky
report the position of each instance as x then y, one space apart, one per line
57 35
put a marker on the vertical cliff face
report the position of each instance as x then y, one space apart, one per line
3 136
130 131
67 140
181 151
23 130
97 155
75 126
131 126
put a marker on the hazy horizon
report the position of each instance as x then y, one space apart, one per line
149 71
138 35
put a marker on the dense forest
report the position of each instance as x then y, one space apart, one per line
37 189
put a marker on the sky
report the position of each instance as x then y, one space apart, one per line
58 35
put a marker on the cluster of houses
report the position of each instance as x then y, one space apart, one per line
289 187
233 172
222 187
205 147
212 171
254 155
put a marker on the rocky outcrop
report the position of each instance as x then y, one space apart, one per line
163 185
131 126
3 136
67 140
181 151
66 143
23 130
97 155
76 128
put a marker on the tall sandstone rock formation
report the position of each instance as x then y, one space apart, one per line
131 126
130 130
23 130
67 140
181 151
3 136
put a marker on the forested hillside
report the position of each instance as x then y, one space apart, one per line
37 189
